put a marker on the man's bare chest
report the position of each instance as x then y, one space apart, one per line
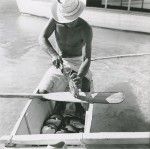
67 35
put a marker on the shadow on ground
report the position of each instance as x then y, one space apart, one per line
123 117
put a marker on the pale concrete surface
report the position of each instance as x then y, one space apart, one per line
129 75
108 18
23 64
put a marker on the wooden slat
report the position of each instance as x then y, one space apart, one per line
117 138
22 115
8 142
91 147
44 139
82 138
88 119
45 147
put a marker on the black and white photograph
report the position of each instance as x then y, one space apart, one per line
74 74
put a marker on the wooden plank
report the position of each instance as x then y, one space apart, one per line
44 139
36 114
23 127
88 119
82 138
20 119
21 116
90 147
117 138
45 147
14 131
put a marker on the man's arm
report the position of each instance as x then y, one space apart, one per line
43 38
86 55
86 52
47 47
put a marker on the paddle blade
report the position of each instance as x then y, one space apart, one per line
116 98
103 98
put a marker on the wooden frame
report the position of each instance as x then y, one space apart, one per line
81 138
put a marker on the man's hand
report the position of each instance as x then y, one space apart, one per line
77 80
57 61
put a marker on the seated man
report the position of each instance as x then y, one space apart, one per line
74 38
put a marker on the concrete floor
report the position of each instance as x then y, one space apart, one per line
23 64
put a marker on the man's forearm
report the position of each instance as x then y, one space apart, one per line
47 47
84 67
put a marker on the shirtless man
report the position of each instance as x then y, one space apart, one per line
74 38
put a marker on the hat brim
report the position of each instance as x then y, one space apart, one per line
57 15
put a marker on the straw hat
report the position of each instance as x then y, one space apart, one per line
65 11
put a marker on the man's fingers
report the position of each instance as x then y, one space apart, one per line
73 76
77 79
61 61
54 62
78 84
57 62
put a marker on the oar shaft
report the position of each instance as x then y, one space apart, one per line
21 95
50 96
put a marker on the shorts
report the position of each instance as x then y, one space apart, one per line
55 81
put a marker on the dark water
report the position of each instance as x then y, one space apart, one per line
22 65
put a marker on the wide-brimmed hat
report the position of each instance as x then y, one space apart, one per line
65 11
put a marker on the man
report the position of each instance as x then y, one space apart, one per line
74 38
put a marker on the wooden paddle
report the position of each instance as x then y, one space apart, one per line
97 97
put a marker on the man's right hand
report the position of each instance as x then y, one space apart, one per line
77 80
57 61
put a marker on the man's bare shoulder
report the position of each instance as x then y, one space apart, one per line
86 29
84 24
